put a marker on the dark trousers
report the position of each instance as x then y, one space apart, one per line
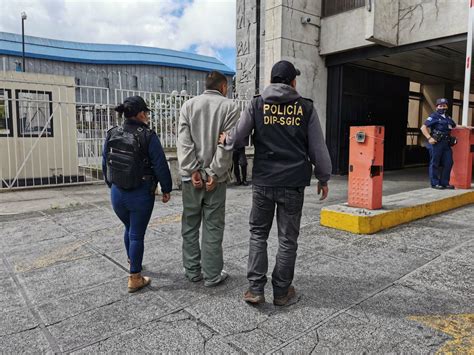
289 204
240 162
134 208
441 163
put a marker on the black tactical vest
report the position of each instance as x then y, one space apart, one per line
127 155
281 143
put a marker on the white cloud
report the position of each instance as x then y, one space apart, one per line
206 50
206 25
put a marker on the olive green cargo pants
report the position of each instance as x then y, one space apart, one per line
208 208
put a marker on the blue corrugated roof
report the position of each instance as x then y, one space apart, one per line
93 53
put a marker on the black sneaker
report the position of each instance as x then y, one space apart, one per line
437 187
245 183
449 187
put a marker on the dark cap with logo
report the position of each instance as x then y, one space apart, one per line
284 72
442 101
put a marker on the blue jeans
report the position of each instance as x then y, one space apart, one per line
441 163
289 204
134 208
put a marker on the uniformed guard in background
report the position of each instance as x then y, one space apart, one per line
288 141
240 164
437 130
133 163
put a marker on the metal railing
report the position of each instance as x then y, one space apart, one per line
165 109
38 134
54 134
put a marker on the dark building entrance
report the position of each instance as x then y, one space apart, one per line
395 87
363 97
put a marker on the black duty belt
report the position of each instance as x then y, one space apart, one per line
438 135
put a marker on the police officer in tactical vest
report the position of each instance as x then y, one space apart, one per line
437 130
133 162
288 141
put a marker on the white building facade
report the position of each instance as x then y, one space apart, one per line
363 62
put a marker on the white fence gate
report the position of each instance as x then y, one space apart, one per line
52 131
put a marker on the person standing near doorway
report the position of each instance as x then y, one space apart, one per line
133 162
205 170
437 130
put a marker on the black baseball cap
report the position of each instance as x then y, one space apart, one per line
283 72
136 104
442 101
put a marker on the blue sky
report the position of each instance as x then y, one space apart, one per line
227 55
199 26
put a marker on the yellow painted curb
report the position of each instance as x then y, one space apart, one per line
370 224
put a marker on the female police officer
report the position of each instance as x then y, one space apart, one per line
133 162
437 130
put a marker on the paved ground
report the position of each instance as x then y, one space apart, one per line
63 275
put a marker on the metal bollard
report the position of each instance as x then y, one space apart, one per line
366 149
461 174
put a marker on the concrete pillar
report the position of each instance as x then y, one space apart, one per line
292 32
247 34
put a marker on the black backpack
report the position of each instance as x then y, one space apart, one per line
127 158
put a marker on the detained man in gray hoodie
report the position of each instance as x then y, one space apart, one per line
204 167
288 141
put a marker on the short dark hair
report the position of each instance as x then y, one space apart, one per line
214 80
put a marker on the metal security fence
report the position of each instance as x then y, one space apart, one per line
37 131
165 109
52 131
164 115
94 117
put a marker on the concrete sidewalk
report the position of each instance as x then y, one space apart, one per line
64 276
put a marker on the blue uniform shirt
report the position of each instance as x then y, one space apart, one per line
442 123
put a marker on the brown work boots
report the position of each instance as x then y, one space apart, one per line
283 300
137 282
252 298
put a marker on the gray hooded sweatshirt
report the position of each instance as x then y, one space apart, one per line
317 150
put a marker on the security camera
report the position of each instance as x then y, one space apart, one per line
310 20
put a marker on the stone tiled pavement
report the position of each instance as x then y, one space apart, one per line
63 276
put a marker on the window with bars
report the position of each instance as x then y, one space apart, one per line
333 7
34 109
6 128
